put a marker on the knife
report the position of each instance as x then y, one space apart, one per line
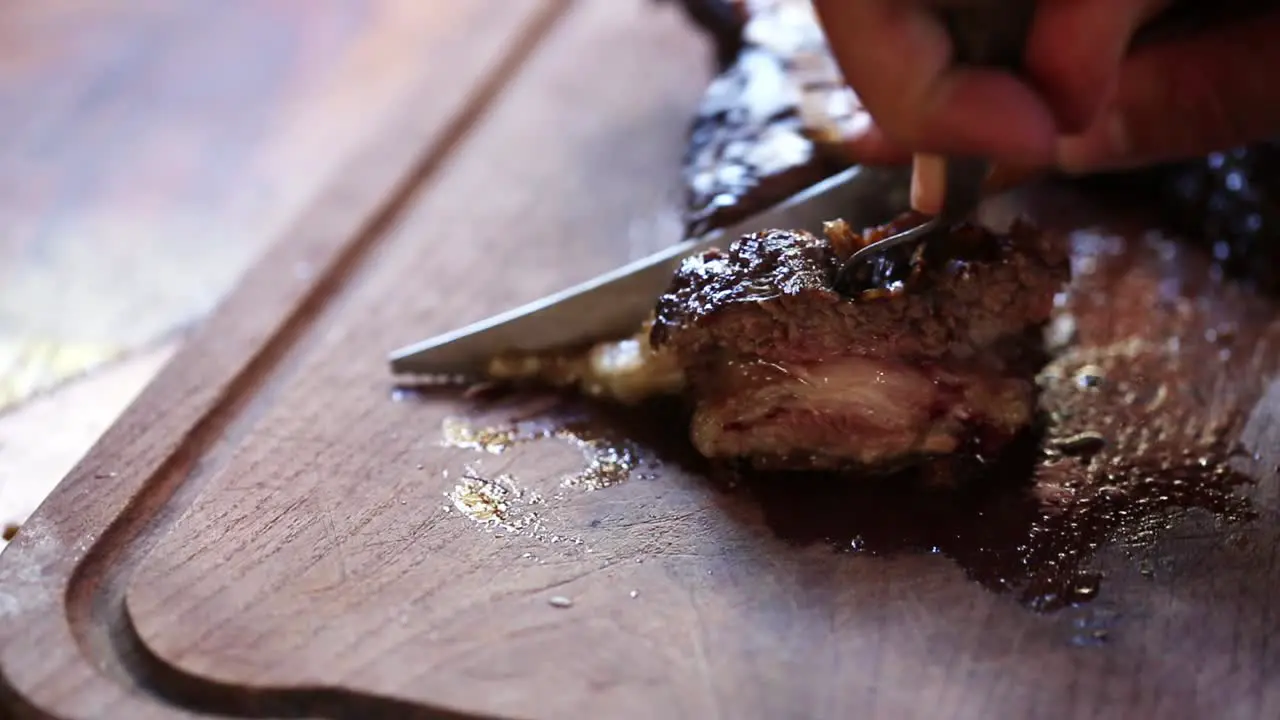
615 304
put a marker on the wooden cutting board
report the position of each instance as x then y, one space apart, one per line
274 530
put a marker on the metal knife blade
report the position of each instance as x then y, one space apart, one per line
615 304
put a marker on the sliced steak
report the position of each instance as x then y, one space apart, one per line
785 371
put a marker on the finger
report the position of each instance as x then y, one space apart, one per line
1186 97
890 53
868 144
1075 51
897 58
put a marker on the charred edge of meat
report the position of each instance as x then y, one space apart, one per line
968 289
724 21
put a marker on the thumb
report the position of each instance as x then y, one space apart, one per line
1185 97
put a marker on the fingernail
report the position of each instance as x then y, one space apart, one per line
1104 147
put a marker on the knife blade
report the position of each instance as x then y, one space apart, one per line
615 304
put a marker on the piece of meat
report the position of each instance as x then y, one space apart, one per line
786 372
769 125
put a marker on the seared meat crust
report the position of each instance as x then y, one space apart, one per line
771 294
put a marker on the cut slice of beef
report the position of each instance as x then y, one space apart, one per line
786 372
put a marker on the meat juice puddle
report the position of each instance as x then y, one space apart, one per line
1000 528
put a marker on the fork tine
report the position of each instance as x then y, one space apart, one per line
964 181
848 281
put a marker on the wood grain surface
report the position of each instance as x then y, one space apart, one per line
153 148
151 151
42 440
474 46
273 531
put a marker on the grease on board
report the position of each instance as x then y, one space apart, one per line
607 462
502 502
495 501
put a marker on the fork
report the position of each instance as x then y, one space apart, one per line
989 33
964 181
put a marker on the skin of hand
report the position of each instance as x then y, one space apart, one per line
1085 102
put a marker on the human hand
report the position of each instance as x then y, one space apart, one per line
1085 102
